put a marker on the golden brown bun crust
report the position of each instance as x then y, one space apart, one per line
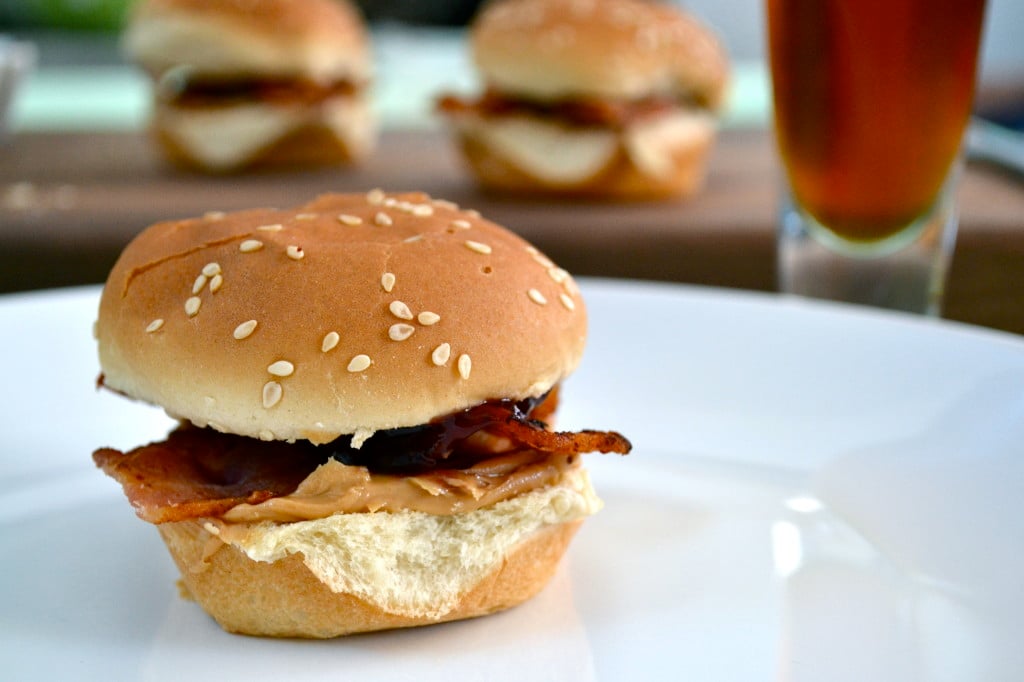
622 49
284 599
620 179
267 17
514 324
322 39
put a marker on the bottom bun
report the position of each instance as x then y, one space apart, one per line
284 599
254 136
351 573
309 145
655 162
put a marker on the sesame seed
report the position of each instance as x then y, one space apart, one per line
414 238
423 210
359 363
400 331
214 215
305 216
281 368
154 325
478 247
567 301
387 281
272 393
382 219
462 224
211 269
400 310
250 245
391 202
375 197
295 252
216 283
350 219
441 354
537 297
465 366
428 318
198 285
266 434
276 227
472 212
244 330
558 274
331 340
192 305
444 203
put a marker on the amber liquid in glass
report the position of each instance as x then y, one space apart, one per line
871 100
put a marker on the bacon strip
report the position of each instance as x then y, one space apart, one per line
198 473
532 435
580 111
449 442
184 92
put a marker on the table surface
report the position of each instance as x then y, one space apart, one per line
70 201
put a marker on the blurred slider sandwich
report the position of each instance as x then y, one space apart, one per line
601 98
241 83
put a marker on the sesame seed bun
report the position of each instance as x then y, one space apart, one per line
317 39
243 83
347 315
601 99
621 49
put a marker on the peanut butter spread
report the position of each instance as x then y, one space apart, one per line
335 488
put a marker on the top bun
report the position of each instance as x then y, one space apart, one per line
319 39
620 49
348 315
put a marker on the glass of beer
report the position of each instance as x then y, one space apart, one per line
871 100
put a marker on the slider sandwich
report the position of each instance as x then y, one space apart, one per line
242 83
365 387
608 99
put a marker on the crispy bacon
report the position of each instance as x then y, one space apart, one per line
201 473
179 89
531 435
580 111
449 442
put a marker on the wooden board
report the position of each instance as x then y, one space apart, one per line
70 201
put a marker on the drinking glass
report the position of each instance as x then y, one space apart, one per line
871 100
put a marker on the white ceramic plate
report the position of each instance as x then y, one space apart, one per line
815 493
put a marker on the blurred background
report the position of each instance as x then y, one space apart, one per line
78 177
82 81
